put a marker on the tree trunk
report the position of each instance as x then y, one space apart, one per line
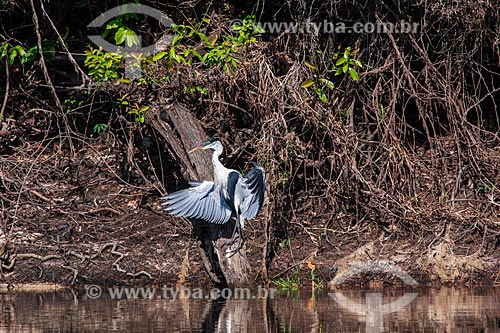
183 131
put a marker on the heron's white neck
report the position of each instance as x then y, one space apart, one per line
220 171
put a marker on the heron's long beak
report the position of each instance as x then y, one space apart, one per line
195 149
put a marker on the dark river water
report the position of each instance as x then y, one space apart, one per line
383 310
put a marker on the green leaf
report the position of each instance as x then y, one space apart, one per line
329 84
340 61
120 36
191 31
178 59
311 66
382 112
204 38
159 55
196 54
307 83
258 29
12 56
236 27
347 52
321 95
173 55
30 55
20 50
111 25
175 40
98 128
3 49
212 43
105 33
353 74
345 68
131 38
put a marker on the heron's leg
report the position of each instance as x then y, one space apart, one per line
237 228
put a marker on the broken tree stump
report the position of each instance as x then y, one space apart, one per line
183 131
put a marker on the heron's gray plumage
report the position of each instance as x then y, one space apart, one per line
203 200
229 194
254 186
233 178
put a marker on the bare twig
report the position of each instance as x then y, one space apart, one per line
46 73
7 88
42 58
85 77
114 247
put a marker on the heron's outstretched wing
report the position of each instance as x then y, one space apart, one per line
252 186
202 200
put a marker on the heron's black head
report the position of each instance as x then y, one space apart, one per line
210 143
